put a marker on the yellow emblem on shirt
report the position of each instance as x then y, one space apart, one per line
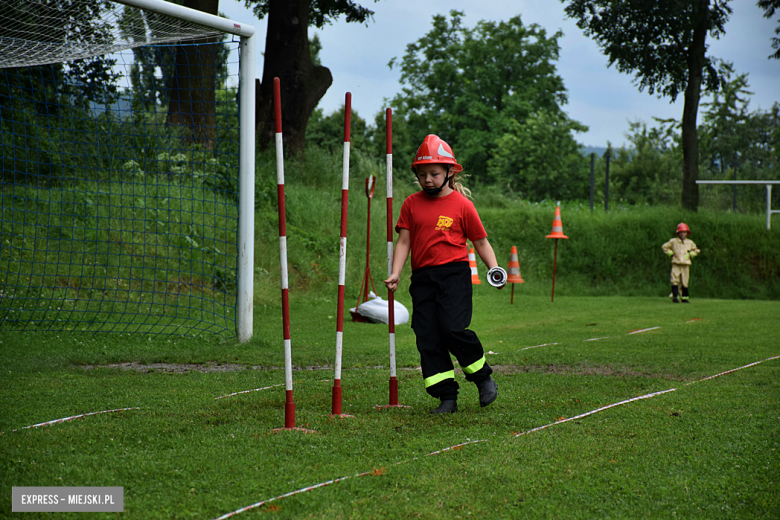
444 223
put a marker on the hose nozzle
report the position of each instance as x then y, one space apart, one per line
497 276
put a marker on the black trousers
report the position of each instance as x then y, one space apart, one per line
441 314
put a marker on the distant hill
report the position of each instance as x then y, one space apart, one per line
598 150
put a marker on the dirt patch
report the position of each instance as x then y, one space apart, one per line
177 368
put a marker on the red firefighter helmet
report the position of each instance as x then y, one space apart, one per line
682 226
434 150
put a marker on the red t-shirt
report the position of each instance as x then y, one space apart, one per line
438 228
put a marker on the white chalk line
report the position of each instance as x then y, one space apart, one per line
642 330
248 391
64 419
594 339
601 409
268 388
733 370
542 345
333 481
646 396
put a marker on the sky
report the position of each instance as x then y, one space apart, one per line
600 97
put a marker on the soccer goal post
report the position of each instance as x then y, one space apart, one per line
128 168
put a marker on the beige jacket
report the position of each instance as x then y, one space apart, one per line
681 252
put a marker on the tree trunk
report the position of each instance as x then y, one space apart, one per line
191 92
303 84
690 138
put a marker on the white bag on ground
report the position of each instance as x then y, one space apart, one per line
376 310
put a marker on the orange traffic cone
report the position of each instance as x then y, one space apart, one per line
514 272
514 268
557 227
473 264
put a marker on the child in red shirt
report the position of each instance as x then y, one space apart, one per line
434 225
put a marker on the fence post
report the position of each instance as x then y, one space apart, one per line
592 180
606 184
768 205
734 210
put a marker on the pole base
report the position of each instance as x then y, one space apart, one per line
393 396
336 398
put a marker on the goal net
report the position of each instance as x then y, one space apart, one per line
127 176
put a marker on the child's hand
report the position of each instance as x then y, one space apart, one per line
392 282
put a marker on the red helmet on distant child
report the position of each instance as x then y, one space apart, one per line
682 226
434 150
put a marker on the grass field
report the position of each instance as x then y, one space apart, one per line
707 449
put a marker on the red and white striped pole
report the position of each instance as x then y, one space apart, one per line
336 398
289 407
390 294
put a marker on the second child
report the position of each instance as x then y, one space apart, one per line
681 249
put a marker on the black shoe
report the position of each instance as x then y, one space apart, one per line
675 300
446 406
488 391
685 300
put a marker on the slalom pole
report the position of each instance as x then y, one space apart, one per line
336 397
367 280
390 295
393 400
289 407
370 185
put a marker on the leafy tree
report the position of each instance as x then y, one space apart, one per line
288 57
734 138
328 131
492 92
769 7
664 43
723 139
760 159
539 158
647 171
152 88
191 100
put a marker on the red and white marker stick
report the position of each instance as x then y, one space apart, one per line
336 398
289 406
390 294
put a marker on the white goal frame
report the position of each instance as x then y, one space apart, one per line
246 139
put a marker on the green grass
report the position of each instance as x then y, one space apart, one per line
706 450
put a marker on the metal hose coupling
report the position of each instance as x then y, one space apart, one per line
497 276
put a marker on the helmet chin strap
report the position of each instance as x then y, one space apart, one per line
435 191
